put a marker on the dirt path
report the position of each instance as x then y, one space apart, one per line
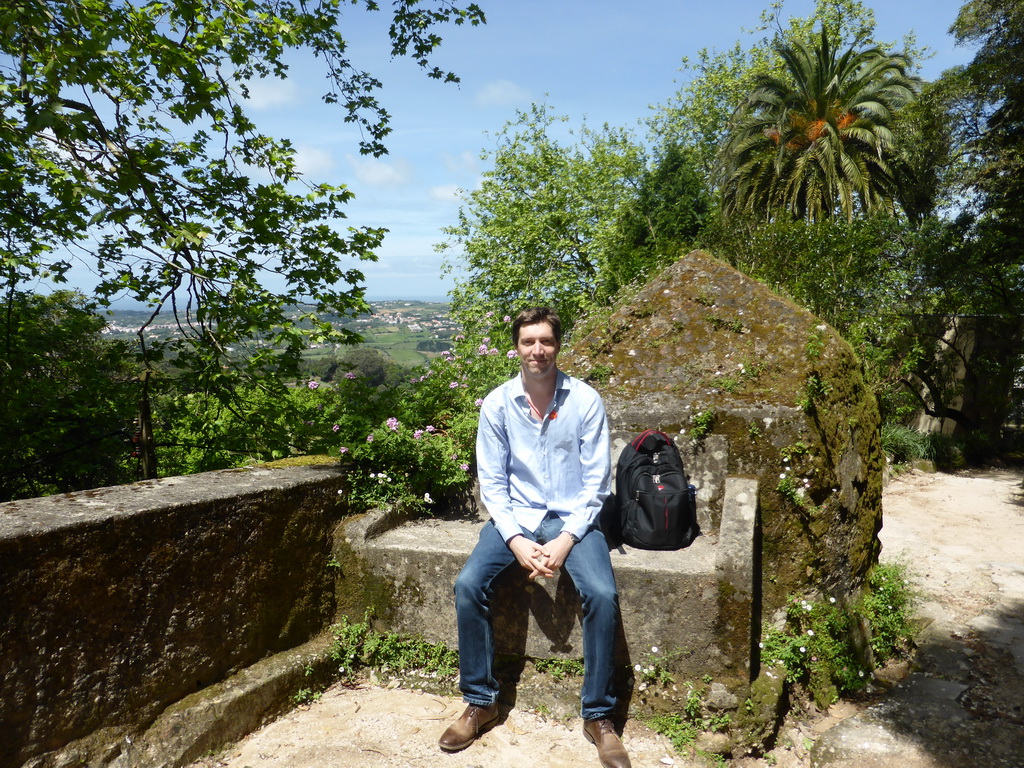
961 535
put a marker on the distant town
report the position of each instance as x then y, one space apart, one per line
407 331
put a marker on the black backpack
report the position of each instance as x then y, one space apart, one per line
656 505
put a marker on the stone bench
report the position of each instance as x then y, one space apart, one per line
697 605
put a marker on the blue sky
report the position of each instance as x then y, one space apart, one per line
595 59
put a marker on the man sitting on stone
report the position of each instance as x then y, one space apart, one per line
544 465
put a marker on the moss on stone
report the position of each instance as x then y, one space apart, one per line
756 720
302 461
358 592
711 338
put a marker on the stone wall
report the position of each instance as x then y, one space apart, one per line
118 602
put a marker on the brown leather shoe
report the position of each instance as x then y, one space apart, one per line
463 732
601 733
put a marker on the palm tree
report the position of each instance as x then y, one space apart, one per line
816 142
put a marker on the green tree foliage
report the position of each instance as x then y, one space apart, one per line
993 109
848 273
924 162
936 323
816 142
67 403
543 225
697 116
125 142
672 205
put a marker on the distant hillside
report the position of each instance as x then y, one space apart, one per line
409 332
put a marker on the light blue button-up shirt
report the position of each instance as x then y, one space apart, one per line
528 468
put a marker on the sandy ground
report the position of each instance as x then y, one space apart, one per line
961 535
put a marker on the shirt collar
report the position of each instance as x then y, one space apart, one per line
561 382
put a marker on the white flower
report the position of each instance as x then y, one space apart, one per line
831 599
803 649
426 498
810 632
638 668
654 649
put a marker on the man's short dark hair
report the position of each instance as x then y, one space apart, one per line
535 315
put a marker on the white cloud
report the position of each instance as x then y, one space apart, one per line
464 162
502 93
312 162
271 92
378 173
445 193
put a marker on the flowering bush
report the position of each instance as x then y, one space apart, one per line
411 445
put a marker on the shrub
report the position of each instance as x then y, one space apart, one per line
413 445
903 444
817 648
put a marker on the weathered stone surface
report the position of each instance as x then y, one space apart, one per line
921 726
668 599
117 602
787 396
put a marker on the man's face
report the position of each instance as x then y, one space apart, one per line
537 349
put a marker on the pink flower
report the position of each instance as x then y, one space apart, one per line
489 314
506 318
392 424
453 385
336 428
313 384
417 434
511 354
430 428
479 402
369 438
464 467
460 337
343 450
350 375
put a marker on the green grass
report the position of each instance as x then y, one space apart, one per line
903 444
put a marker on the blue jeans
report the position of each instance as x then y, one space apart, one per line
590 567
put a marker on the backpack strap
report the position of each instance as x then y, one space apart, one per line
639 439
